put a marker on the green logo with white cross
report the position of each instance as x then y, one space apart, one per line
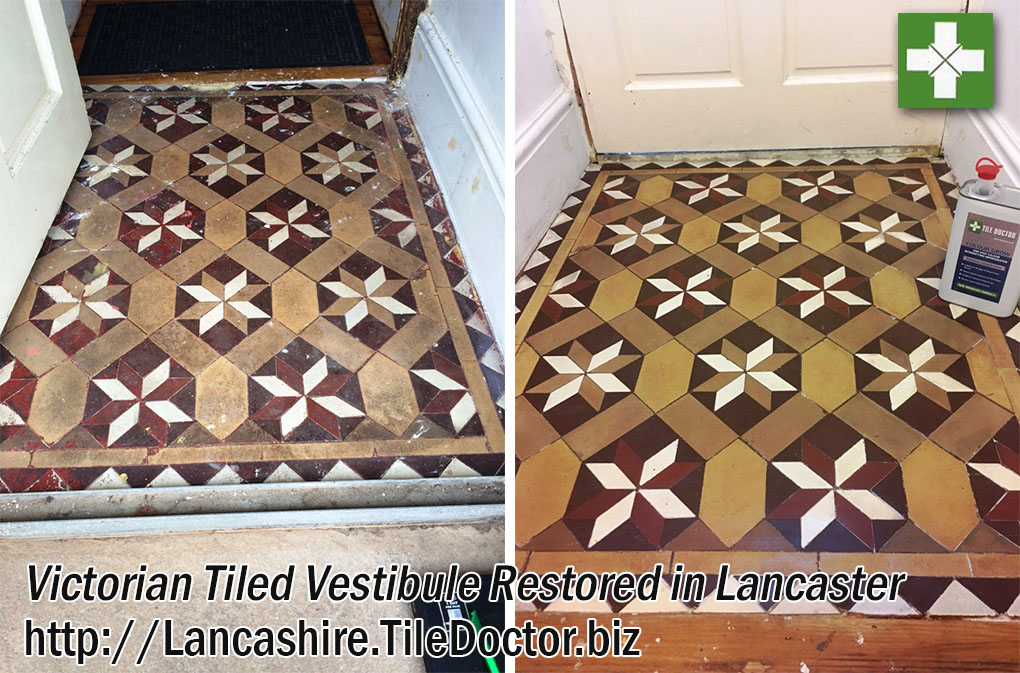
974 226
945 61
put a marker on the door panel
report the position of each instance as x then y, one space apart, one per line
43 132
689 75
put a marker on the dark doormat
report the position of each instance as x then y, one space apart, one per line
199 35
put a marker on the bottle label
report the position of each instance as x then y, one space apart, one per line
986 251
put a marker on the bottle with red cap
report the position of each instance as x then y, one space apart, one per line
981 271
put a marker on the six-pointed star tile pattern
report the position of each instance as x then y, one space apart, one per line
753 358
214 304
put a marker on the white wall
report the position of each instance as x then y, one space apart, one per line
455 88
972 134
388 12
551 146
72 8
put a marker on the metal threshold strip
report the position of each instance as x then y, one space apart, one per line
297 498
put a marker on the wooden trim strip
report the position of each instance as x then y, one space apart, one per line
403 40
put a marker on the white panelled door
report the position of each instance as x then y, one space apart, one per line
43 133
698 75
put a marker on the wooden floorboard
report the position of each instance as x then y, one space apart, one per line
795 644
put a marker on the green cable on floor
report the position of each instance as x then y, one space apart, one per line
489 661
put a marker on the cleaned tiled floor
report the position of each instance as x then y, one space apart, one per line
256 285
750 363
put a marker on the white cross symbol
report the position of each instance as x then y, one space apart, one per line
945 59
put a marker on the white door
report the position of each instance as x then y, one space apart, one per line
697 75
43 133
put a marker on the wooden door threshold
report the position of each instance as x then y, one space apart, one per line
231 77
787 644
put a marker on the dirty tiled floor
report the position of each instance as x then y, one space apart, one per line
750 363
259 285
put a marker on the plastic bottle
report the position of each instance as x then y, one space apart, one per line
981 271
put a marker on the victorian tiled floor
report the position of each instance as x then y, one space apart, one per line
750 363
260 285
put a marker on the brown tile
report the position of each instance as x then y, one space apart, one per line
596 262
939 497
324 259
640 330
564 331
32 348
191 261
257 260
970 427
194 191
731 512
708 562
753 293
124 261
137 193
920 259
312 190
726 260
783 426
923 565
524 364
227 114
861 329
170 164
221 398
259 346
986 376
9 459
894 292
872 186
182 345
698 426
337 344
861 262
944 328
256 193
99 353
607 427
224 225
993 565
912 209
59 402
880 426
597 561
533 432
791 208
400 261
658 261
764 188
413 340
787 260
294 300
542 489
733 209
152 302
711 329
937 227
615 295
389 398
55 262
827 375
665 374
789 328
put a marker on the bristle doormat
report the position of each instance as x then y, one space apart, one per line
194 35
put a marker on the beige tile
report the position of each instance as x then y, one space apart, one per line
224 225
788 260
607 427
351 223
191 261
753 293
22 309
221 398
725 260
397 259
698 426
324 259
256 193
923 565
564 331
543 485
730 511
283 164
413 340
699 234
152 302
32 348
640 330
665 374
259 346
615 295
861 329
337 344
596 262
99 226
872 186
533 432
783 426
894 292
944 328
764 188
789 328
937 227
124 261
189 350
827 375
294 300
257 260
59 402
970 427
939 497
170 164
890 433
658 261
986 376
711 329
524 364
654 189
820 233
55 262
855 259
389 398
117 341
227 114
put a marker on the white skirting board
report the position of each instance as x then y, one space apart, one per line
465 149
551 154
972 134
